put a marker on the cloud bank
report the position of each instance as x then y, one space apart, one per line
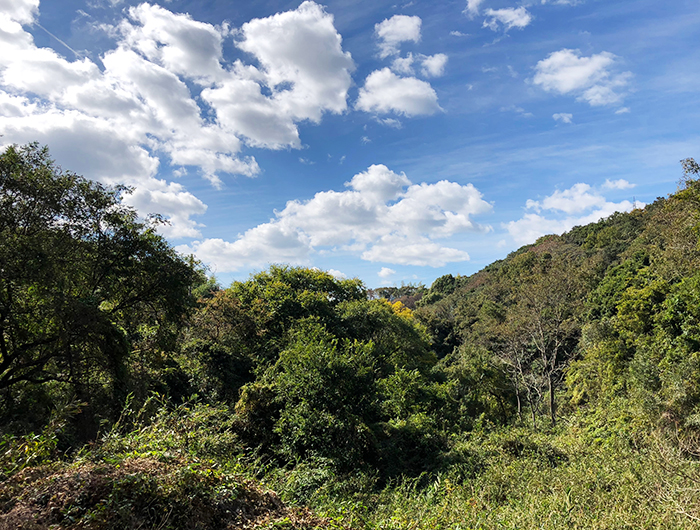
383 217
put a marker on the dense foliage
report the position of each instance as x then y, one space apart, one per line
90 298
557 387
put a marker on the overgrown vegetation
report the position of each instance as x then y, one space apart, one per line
559 387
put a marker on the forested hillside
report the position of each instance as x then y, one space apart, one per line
557 388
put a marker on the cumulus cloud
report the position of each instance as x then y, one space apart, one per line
563 117
301 49
576 199
22 11
180 44
434 65
171 200
395 30
419 251
382 216
590 79
579 205
386 272
403 65
395 89
509 18
259 246
620 184
337 274
122 121
385 92
472 8
431 65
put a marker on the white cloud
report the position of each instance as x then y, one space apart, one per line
302 64
116 123
566 71
303 49
431 65
15 106
395 30
623 110
579 205
434 65
472 8
171 200
175 41
563 117
576 199
22 11
388 122
620 184
337 274
589 78
458 34
386 272
259 246
509 17
382 217
385 92
403 65
419 251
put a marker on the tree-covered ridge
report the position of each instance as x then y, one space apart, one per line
603 312
558 387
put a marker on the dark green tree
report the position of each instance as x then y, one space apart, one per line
82 280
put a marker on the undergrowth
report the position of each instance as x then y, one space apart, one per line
184 467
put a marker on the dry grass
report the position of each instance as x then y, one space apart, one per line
142 493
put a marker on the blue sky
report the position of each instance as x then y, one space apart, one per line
394 142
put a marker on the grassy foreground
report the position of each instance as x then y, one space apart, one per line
522 480
184 468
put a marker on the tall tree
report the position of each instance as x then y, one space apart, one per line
80 276
549 302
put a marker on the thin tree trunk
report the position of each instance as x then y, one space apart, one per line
551 399
533 412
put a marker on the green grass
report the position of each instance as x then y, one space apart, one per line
535 481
